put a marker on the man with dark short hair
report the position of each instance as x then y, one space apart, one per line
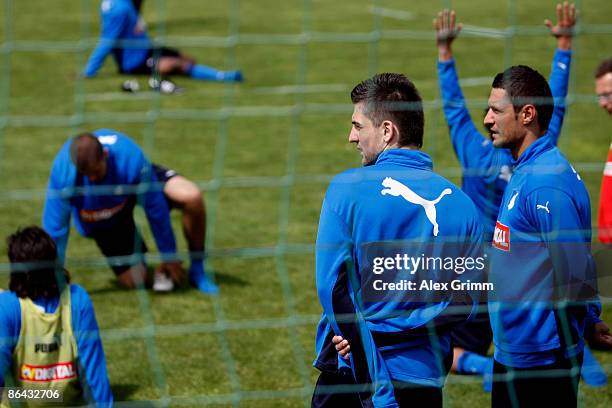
486 170
49 337
400 349
99 177
123 34
541 263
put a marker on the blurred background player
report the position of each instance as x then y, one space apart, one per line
100 177
486 170
49 336
123 34
393 199
603 88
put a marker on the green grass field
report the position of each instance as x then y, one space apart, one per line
263 152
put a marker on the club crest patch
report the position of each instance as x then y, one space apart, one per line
501 237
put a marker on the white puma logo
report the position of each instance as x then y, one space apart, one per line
108 139
395 188
512 201
575 172
543 207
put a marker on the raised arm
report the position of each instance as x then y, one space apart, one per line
563 31
472 150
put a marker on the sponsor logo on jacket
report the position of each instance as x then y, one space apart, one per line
101 214
53 372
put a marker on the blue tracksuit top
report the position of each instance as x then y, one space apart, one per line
94 206
541 242
356 212
486 170
92 364
122 34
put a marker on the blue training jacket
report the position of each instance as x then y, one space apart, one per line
94 206
92 364
359 212
541 254
123 34
486 170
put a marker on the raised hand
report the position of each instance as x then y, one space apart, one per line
446 32
563 31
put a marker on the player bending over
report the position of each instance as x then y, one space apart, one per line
99 177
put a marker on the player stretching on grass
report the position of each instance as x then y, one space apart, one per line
99 177
123 34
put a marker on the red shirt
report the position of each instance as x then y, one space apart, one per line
605 203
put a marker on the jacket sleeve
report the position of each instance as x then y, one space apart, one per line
56 212
472 149
10 325
333 267
156 208
562 230
559 79
113 21
92 362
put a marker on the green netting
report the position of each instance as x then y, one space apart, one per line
263 153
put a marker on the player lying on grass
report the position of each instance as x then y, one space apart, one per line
123 34
49 337
99 177
486 170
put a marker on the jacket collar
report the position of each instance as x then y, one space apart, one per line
405 157
533 151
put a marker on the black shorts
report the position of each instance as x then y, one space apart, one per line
122 244
339 389
475 335
150 63
163 175
554 385
336 389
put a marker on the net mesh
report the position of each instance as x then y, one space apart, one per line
262 153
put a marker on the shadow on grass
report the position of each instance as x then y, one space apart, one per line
221 279
122 392
194 23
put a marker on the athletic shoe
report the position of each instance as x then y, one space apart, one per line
131 85
164 86
199 280
162 283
